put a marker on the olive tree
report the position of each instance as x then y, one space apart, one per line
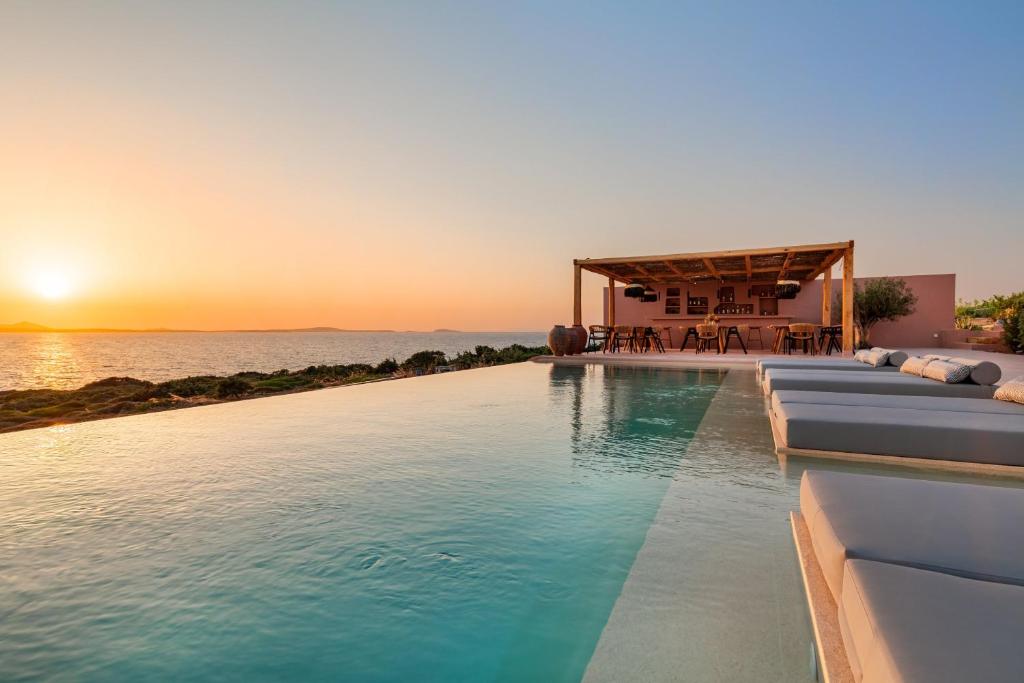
882 299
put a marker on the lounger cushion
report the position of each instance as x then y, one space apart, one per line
982 371
905 624
971 530
818 364
1011 391
989 438
946 371
946 403
868 383
915 366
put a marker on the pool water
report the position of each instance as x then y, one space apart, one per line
471 526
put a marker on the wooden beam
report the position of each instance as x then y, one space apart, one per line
848 300
733 253
826 298
827 264
647 275
577 295
746 262
607 273
671 266
711 267
785 266
611 302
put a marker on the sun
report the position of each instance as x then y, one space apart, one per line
51 284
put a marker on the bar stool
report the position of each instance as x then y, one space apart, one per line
665 335
690 331
831 338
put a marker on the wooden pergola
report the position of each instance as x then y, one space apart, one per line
803 263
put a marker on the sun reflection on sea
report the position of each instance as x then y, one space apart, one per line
54 360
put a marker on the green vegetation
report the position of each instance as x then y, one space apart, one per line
882 299
128 396
1006 309
966 312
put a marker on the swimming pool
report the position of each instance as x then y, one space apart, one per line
472 526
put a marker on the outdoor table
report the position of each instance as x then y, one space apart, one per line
780 335
726 331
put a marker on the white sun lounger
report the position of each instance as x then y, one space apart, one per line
912 580
892 383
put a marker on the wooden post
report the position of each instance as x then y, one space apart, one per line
826 297
611 302
577 295
848 332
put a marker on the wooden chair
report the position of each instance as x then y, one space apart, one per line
640 340
622 338
652 339
707 334
598 339
802 334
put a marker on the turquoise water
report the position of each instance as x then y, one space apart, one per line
470 526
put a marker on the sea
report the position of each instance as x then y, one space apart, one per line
67 360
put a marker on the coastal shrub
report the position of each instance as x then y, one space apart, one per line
388 366
119 382
278 383
424 360
186 387
232 386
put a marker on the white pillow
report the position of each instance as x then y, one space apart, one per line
944 371
915 365
862 355
935 356
1011 391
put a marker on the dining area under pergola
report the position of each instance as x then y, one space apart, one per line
763 290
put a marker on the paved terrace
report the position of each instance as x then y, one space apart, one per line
1011 365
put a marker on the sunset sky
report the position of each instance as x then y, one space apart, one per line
420 165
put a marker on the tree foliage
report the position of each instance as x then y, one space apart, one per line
883 299
1009 311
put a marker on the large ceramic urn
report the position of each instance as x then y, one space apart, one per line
581 337
558 340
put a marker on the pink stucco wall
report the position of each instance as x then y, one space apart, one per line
936 299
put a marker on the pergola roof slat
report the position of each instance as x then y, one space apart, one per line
801 262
